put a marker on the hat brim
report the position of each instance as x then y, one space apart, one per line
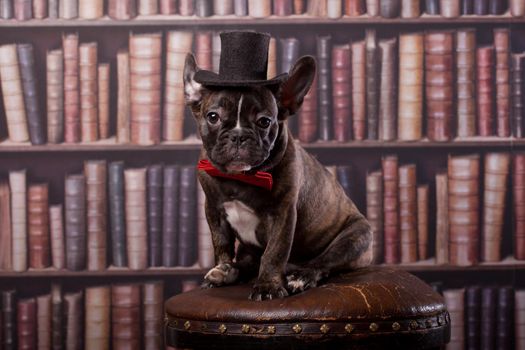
209 78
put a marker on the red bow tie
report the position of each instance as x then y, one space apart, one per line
260 178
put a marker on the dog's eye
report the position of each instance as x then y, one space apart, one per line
264 122
212 117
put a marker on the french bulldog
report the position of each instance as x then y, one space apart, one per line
296 234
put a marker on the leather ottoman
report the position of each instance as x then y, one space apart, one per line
373 308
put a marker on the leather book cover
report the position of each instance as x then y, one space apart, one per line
116 198
55 96
13 95
463 202
68 9
372 8
57 317
26 323
422 221
455 302
519 318
38 226
186 7
6 9
170 215
465 82
103 100
324 87
187 242
74 320
203 50
467 7
517 93
432 7
203 8
518 202
35 122
502 75
18 187
136 218
290 49
498 7
178 43
126 316
317 8
8 322
56 229
153 314
240 7
334 8
88 62
358 90
442 225
388 90
95 173
341 100
505 318
272 55
259 8
308 119
391 209
154 188
43 320
123 97
489 306
354 8
481 7
223 7
75 222
496 171
374 212
122 9
6 238
450 8
97 325
205 245
410 8
408 213
23 10
472 317
517 8
168 7
372 84
70 43
411 83
148 7
485 90
145 51
39 9
390 9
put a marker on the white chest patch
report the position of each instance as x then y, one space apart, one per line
242 219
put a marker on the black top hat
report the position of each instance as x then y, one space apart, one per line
244 61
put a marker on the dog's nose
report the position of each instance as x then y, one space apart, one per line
238 138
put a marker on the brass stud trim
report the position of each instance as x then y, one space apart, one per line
187 325
297 328
204 326
324 329
396 326
245 328
223 328
271 329
349 328
414 325
373 326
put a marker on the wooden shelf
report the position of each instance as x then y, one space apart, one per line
111 272
507 264
175 21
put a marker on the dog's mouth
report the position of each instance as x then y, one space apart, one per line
238 167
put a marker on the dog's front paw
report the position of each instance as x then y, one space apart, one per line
268 291
303 279
220 275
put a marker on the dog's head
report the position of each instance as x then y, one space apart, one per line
240 126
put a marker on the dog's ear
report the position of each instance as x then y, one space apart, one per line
192 89
295 87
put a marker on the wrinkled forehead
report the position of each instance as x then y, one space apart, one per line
256 98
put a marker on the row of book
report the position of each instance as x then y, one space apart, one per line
127 9
471 198
487 317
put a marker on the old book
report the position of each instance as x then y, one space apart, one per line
223 7
498 7
170 215
442 226
38 226
485 90
55 96
148 7
259 8
203 8
372 86
422 221
410 102
372 8
388 90
103 100
75 222
6 9
35 122
290 49
374 212
23 10
88 62
391 232
345 179
187 243
57 317
517 8
8 322
13 94
454 300
125 316
505 318
354 8
178 43
123 97
519 318
439 84
117 213
186 7
145 52
465 82
432 7
122 9
408 213
203 50
168 7
95 173
481 7
450 8
341 100
358 90
90 9
70 46
154 188
390 9
472 317
463 203
502 75
517 93
205 244
324 87
136 218
26 323
518 202
410 8
308 119
6 238
18 187
334 8
494 192
467 7
56 229
43 320
97 317
489 302
272 55
240 7
153 314
68 9
74 320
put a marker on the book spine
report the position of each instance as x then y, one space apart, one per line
40 9
454 300
23 10
203 8
359 90
123 9
466 82
390 9
388 90
43 320
518 198
391 209
155 182
272 55
153 314
6 238
282 7
97 321
55 96
187 252
148 7
467 7
223 7
502 75
169 7
341 100
57 318
240 7
56 228
505 318
186 7
308 118
6 9
372 8
205 244
410 8
88 53
517 62
70 46
481 7
75 222
117 213
450 8
374 212
68 9
517 8
290 48
372 88
422 221
324 93
136 218
489 301
203 50
123 97
103 100
26 323
408 213
18 186
355 8
498 7
472 317
170 215
259 8
74 320
38 226
334 8
126 316
442 224
519 318
8 322
485 90
432 7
